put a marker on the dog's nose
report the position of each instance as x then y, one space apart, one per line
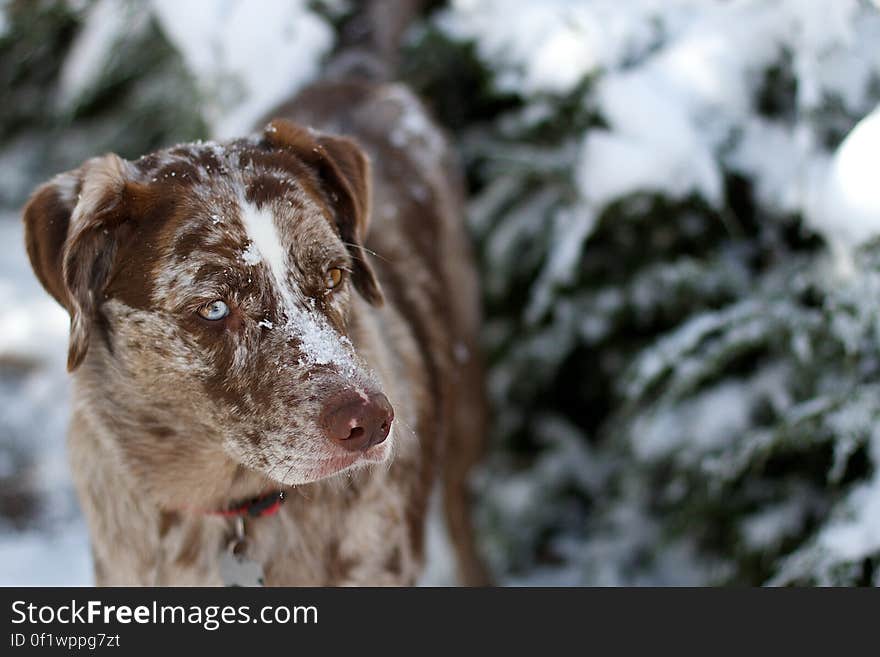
357 421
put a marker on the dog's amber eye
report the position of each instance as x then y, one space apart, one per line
333 277
214 311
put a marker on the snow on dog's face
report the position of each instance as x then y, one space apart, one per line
215 288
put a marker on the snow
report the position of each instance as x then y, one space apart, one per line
246 57
784 170
705 423
251 255
319 344
675 86
852 536
670 115
570 230
52 547
710 424
549 47
59 556
857 537
652 144
848 209
769 526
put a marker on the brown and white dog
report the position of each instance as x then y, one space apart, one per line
292 311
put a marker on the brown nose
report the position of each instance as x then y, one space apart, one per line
357 422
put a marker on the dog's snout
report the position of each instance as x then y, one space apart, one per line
357 421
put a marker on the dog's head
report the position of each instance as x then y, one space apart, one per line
214 289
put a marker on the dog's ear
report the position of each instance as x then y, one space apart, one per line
70 233
344 170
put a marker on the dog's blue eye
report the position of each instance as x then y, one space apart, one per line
214 310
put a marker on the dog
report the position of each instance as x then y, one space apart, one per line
273 345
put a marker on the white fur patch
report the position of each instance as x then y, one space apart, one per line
261 229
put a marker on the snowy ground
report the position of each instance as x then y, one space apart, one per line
42 535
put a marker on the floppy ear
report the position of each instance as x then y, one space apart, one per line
71 243
344 171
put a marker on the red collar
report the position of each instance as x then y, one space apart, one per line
258 507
